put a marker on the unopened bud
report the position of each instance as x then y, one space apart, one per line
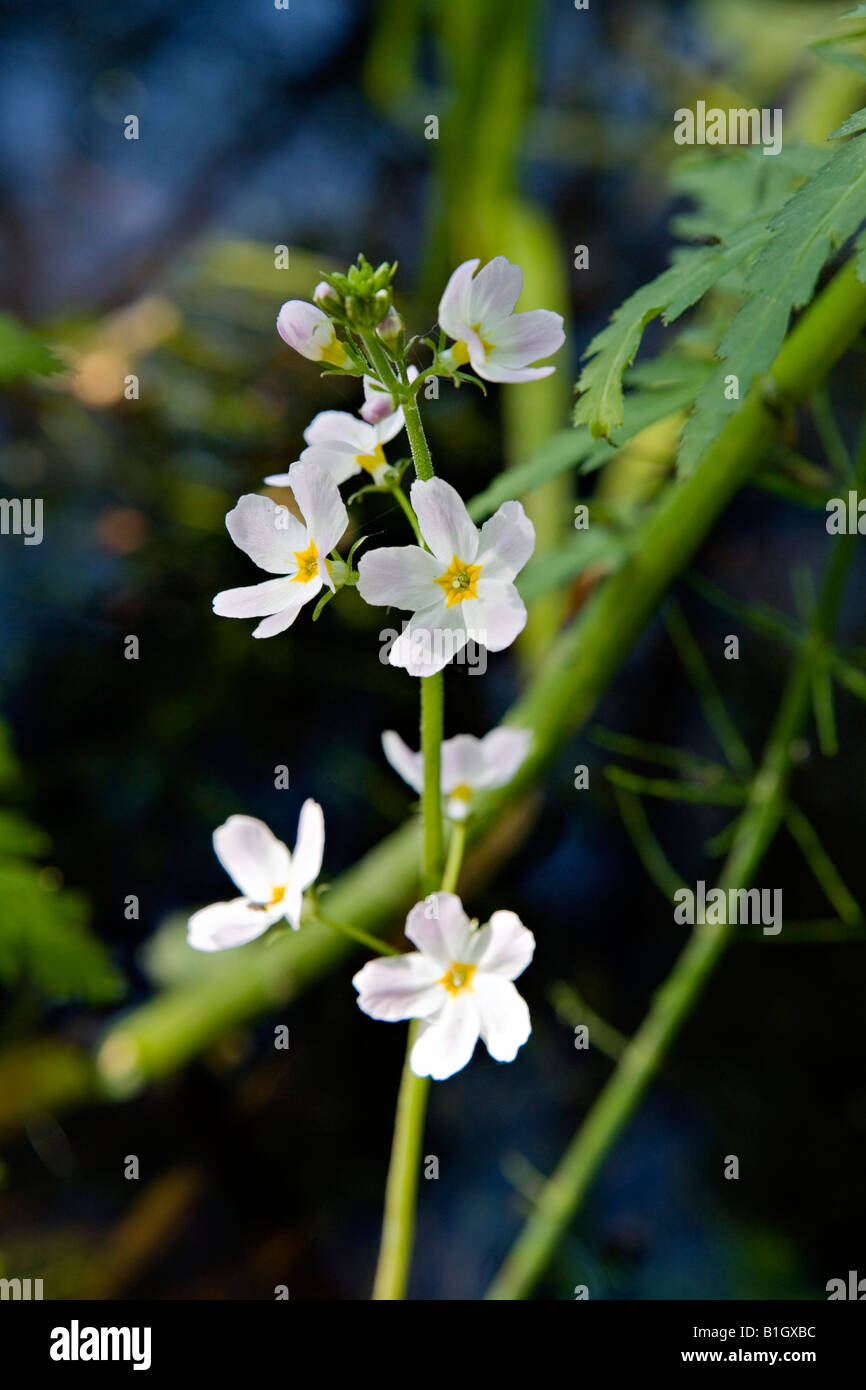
390 329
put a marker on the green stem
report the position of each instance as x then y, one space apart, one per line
399 495
562 1194
417 439
432 696
401 1190
456 848
379 358
398 1226
374 942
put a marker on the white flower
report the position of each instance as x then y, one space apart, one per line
311 333
463 590
344 445
271 880
378 403
458 982
469 764
479 314
282 545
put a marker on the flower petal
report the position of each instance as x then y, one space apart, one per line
490 370
503 947
292 905
446 1043
278 622
440 929
430 640
252 855
455 304
402 575
462 762
266 532
505 542
444 521
526 338
338 426
494 293
258 600
504 1016
223 925
495 617
502 752
409 765
309 845
338 460
397 987
321 505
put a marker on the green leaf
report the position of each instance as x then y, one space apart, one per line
23 352
672 382
852 126
819 216
44 940
693 272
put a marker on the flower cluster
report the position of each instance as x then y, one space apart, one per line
457 582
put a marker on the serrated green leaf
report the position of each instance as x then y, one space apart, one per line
693 272
854 123
819 216
23 353
671 384
833 51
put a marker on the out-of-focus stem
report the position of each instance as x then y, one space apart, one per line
561 1196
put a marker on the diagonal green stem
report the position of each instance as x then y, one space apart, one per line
562 1194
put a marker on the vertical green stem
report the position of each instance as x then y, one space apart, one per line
379 358
456 846
417 439
398 1226
432 695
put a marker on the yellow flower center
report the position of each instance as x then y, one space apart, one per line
460 581
278 892
308 564
461 350
370 462
462 792
458 977
335 354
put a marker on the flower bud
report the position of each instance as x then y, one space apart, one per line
325 296
390 329
310 332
